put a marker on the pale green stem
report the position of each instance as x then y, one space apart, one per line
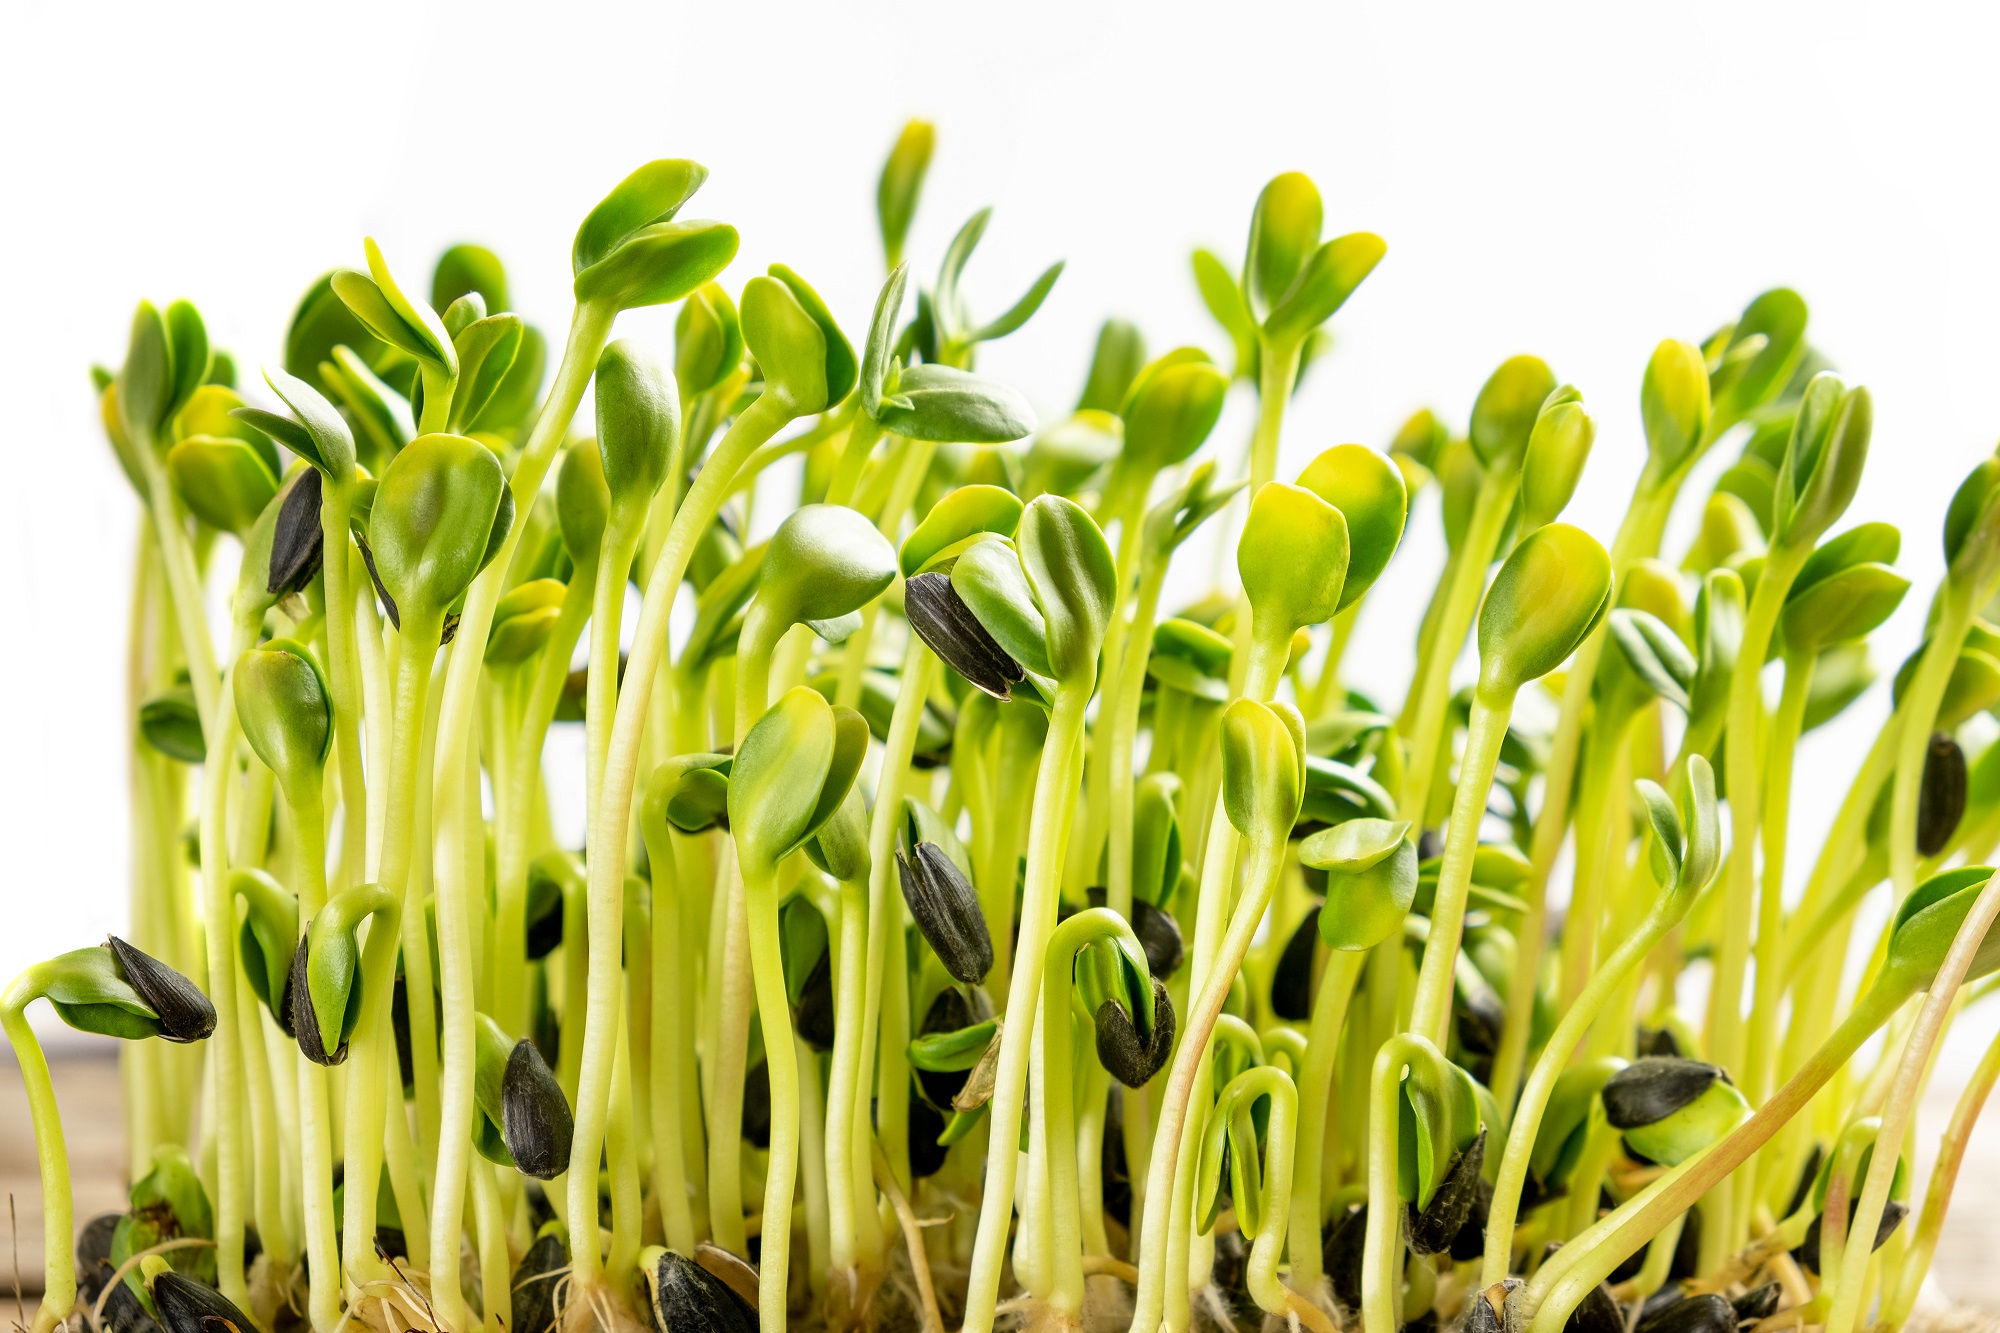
812 1163
315 1133
1900 1297
1638 537
1932 1018
855 1220
373 1047
1382 1250
1315 1079
1164 1241
1726 1044
1065 1210
668 1038
610 822
1430 691
495 1265
1121 707
184 586
767 968
1055 791
226 1053
1760 1068
343 675
58 1212
1431 1016
1527 1118
515 834
1569 1275
621 1154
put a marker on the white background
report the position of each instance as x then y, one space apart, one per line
1577 181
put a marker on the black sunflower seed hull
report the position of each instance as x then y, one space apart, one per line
535 1117
297 540
948 628
687 1298
187 1306
1291 982
1433 1230
1941 799
185 1013
535 1281
305 1019
1651 1089
1690 1314
1133 1059
946 909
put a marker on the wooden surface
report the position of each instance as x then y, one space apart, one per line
1967 1267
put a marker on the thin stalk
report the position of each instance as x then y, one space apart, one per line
1431 1016
1526 1121
1760 1070
1567 1276
226 1054
1121 707
367 1091
668 1038
760 892
1726 1038
315 1133
1055 787
1900 1297
1430 690
1184 1103
58 1210
343 673
514 837
1638 537
610 824
184 584
1315 1080
1897 1113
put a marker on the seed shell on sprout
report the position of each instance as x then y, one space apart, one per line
536 1280
185 1013
1758 1303
298 543
535 1118
1941 798
1132 1059
1653 1088
1807 1254
305 1018
948 628
687 1298
946 909
1706 1313
187 1306
1433 1230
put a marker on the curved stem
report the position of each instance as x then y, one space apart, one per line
1570 1274
1527 1116
1170 1172
1932 1018
1638 537
668 1038
1900 1297
58 1212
